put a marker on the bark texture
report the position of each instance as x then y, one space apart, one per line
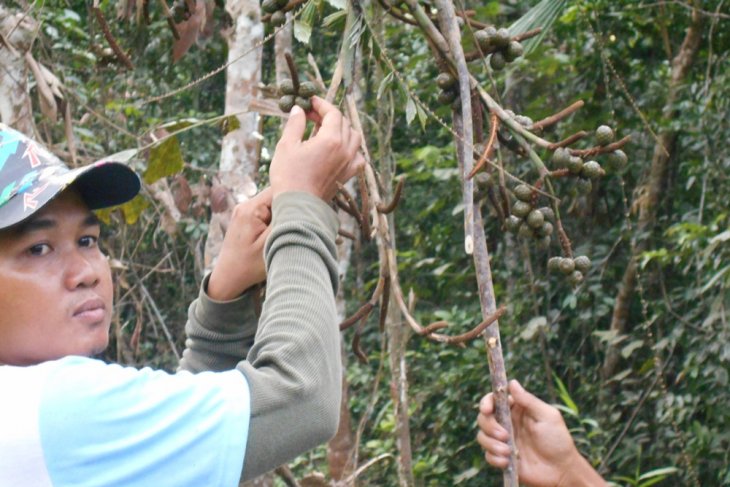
655 187
17 33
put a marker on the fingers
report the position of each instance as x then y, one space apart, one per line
496 452
294 128
489 426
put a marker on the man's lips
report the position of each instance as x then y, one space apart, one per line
91 311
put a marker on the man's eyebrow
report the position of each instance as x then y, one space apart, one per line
92 220
44 223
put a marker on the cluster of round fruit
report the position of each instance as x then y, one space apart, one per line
449 88
586 171
276 9
296 94
575 268
527 221
498 42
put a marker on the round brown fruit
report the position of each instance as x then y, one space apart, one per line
617 160
546 229
592 170
525 231
561 157
502 38
446 97
307 89
286 103
281 3
286 87
278 18
269 6
521 209
445 80
512 223
582 263
604 135
513 51
575 278
523 192
547 212
575 165
304 103
535 219
567 265
497 61
554 264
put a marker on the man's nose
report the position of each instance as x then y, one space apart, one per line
80 270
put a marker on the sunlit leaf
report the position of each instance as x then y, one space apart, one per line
165 160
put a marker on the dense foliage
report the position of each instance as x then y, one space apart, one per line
666 404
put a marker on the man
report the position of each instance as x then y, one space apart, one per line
66 419
547 455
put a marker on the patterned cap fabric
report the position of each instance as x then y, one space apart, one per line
30 176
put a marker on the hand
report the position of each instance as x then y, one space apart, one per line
241 260
318 164
547 454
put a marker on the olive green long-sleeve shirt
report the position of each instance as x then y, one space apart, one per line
290 357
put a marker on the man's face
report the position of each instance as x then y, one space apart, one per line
55 285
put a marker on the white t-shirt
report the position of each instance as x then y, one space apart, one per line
80 422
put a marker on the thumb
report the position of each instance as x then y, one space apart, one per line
294 128
534 406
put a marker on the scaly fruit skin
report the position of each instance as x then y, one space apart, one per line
281 3
575 165
269 6
546 229
524 121
567 265
521 209
445 80
575 278
446 97
582 263
554 264
304 103
543 243
286 87
561 157
547 212
592 170
278 18
617 160
535 219
502 38
286 103
307 89
523 192
497 61
484 39
604 135
512 223
513 51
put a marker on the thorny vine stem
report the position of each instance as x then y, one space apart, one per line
110 38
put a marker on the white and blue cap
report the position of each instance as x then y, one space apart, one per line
30 176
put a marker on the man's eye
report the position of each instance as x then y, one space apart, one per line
88 241
39 249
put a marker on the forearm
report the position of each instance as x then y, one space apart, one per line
219 334
294 368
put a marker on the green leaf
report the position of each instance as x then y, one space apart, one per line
165 160
542 15
384 84
629 349
338 4
410 110
565 396
302 31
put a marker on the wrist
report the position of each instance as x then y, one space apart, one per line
579 473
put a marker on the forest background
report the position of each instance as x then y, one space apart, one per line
636 355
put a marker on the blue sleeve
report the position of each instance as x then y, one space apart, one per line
109 426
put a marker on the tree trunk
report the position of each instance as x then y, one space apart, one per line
653 190
17 33
240 149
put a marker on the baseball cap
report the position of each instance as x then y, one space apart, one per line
30 176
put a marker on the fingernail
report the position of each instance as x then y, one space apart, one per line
296 110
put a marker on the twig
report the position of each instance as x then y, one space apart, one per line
396 199
365 206
553 119
293 71
568 140
109 37
170 21
488 149
601 149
